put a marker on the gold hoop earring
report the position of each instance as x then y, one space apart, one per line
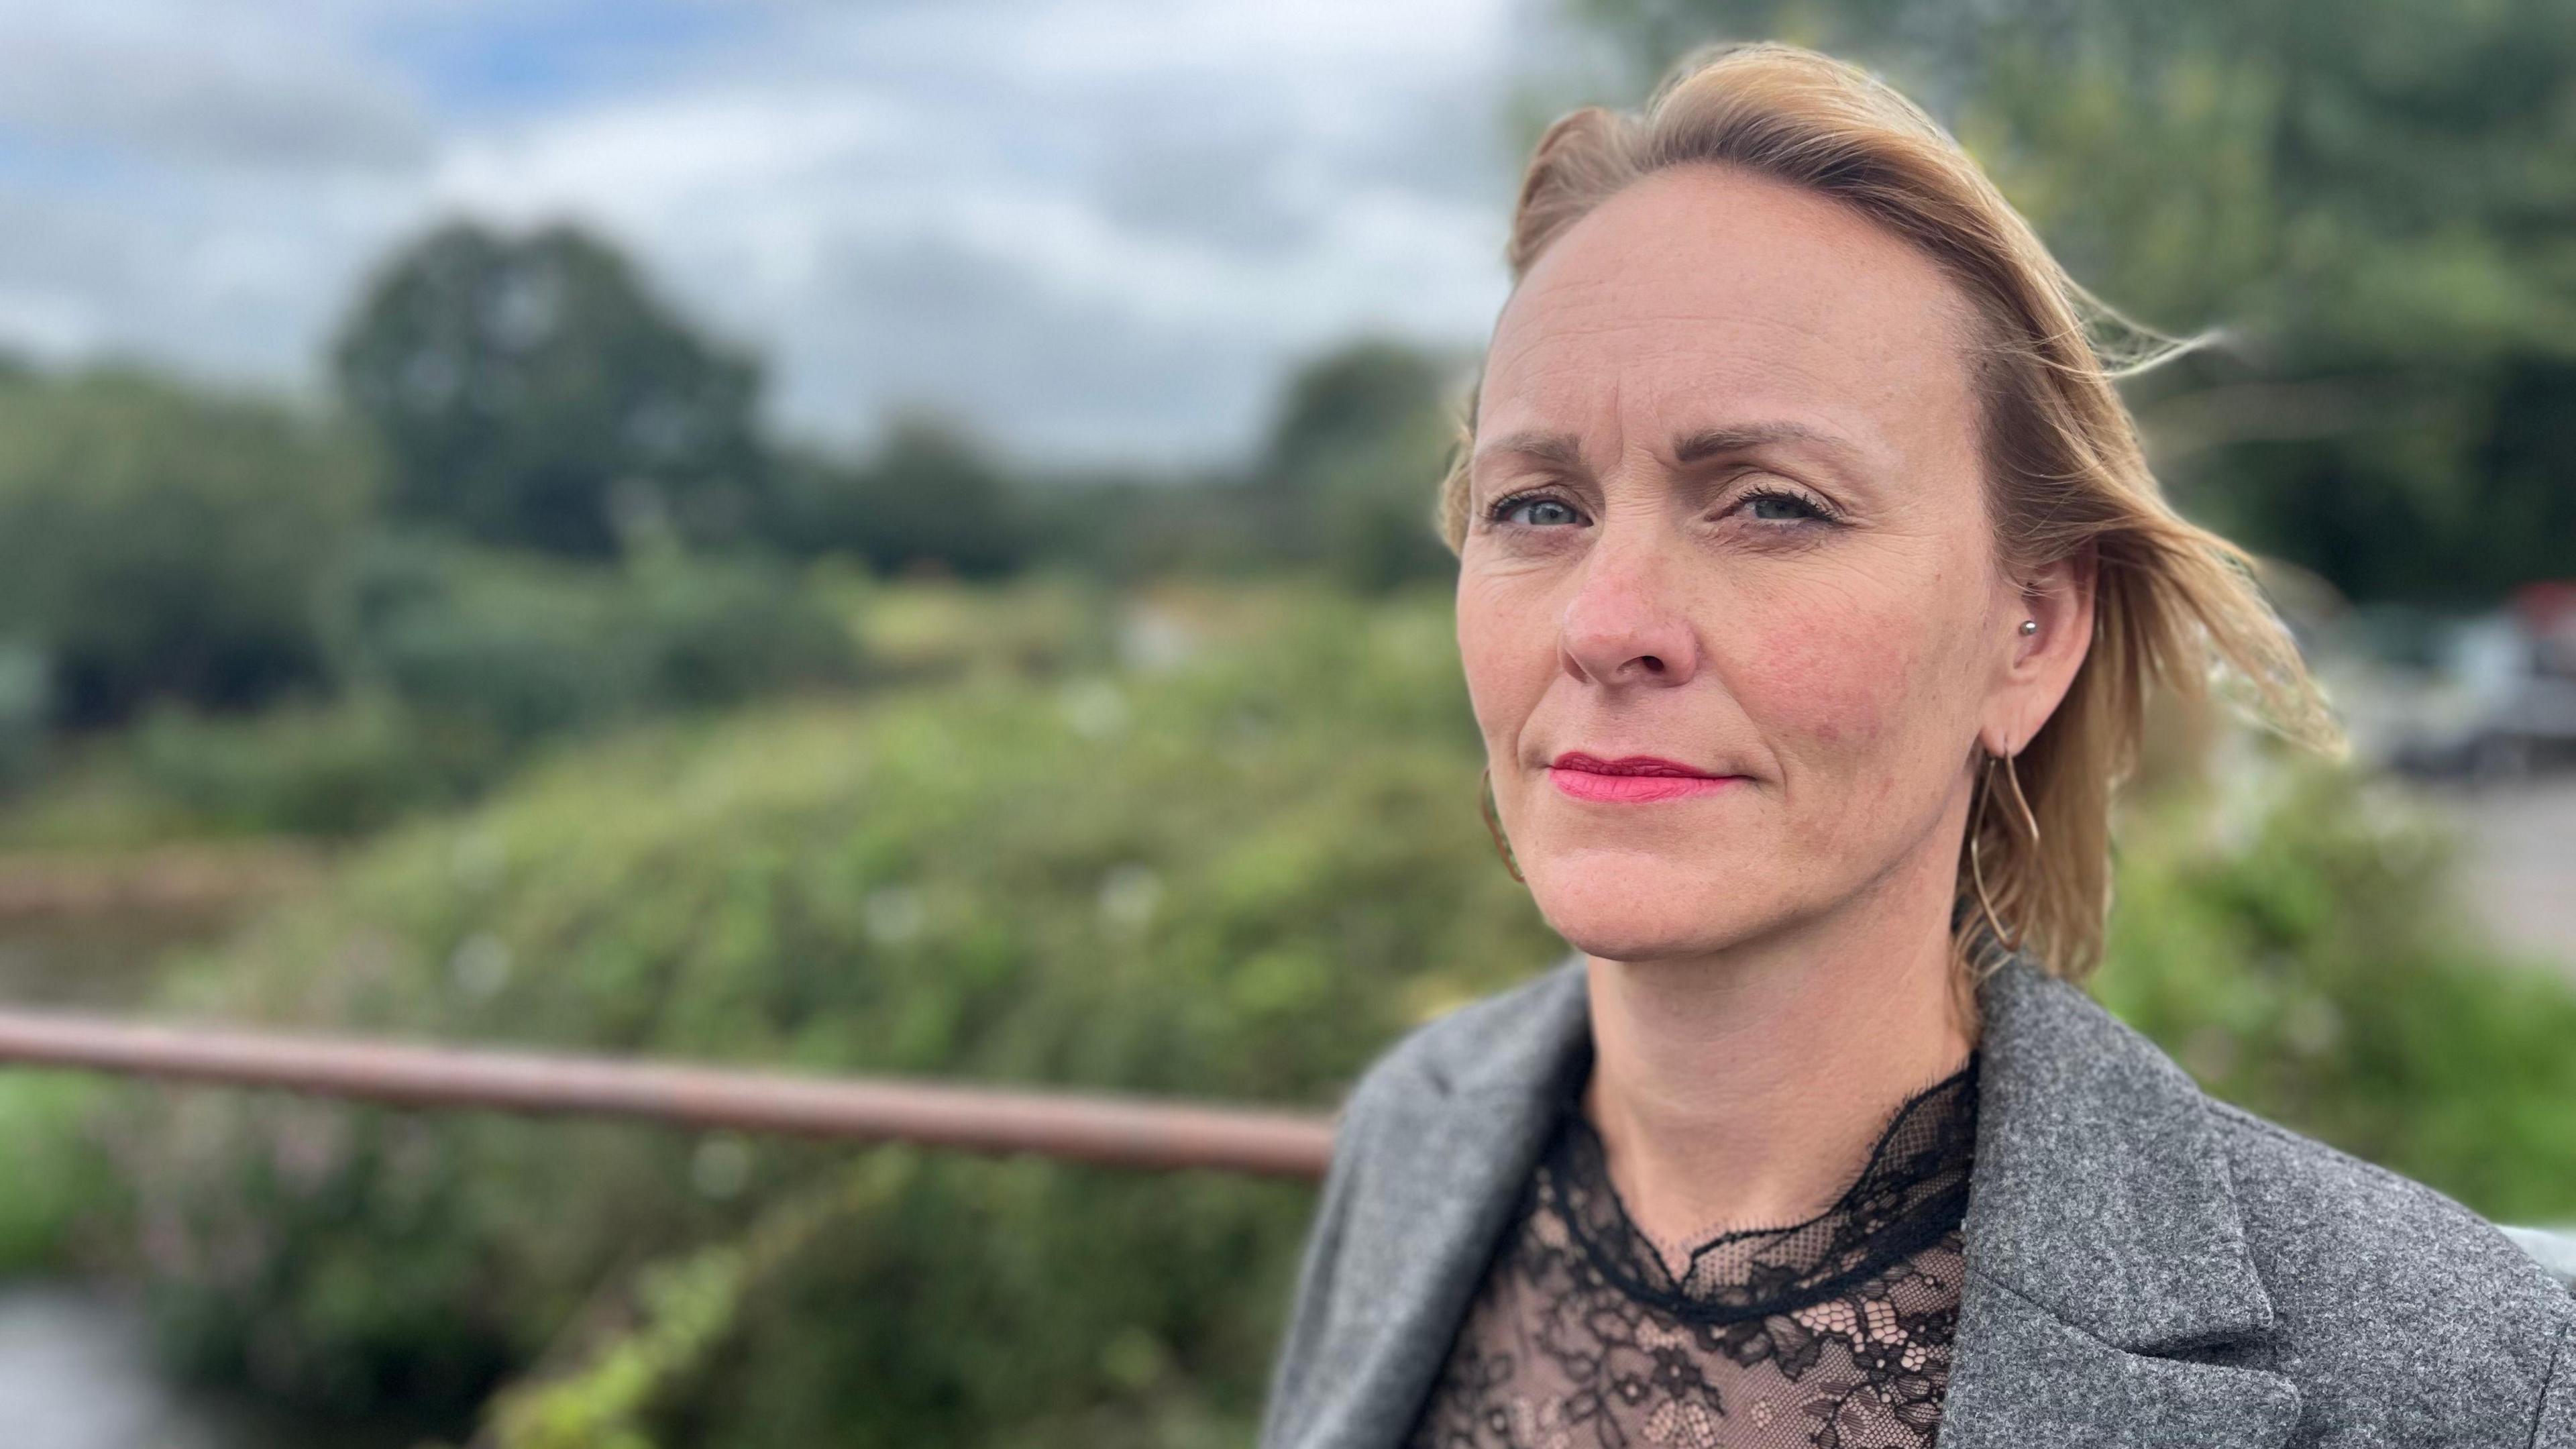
1494 826
2012 772
2011 941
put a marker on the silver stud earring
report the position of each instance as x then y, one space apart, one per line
2030 626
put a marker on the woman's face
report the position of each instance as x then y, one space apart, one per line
1726 512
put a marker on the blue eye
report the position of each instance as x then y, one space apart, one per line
1543 511
1804 508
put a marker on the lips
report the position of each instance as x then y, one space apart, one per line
1633 779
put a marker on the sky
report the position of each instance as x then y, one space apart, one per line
1092 230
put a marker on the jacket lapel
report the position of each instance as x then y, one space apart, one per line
2110 1298
1461 1158
2024 1375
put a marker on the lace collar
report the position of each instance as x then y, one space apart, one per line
1912 1192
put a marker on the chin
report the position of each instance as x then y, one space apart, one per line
1640 906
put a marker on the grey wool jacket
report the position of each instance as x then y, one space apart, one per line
2146 1265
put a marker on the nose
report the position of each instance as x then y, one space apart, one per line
1623 626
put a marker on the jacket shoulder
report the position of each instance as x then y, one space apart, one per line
2394 1304
1515 1024
1374 1194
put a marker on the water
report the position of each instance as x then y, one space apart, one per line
76 1372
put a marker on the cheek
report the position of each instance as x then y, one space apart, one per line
1506 650
1853 685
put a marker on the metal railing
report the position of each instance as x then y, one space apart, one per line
1121 1131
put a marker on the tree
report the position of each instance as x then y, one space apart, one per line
156 541
2378 204
929 498
1352 470
530 391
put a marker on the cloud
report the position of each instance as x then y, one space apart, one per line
1092 230
201 83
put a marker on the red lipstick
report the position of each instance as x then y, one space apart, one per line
1632 779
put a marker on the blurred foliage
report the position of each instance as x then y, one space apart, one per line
2298 941
583 524
58 1183
91 796
1045 622
681 1314
526 646
459 661
2378 207
340 768
531 392
1237 870
157 540
1235 877
26 708
466 663
927 500
1126 528
1345 483
1350 476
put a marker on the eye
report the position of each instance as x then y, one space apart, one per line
1800 508
1534 510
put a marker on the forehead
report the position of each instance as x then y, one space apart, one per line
1704 296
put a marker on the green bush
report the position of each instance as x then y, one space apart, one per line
341 768
528 646
1045 622
1235 879
2298 942
1350 475
156 542
453 664
927 500
26 700
1239 879
58 1181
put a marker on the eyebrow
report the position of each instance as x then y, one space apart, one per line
1698 446
1709 443
1558 448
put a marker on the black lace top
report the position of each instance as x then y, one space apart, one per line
1832 1332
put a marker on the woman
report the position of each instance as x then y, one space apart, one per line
1810 584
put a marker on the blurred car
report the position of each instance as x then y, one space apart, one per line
2500 700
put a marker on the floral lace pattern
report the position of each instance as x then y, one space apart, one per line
1833 1333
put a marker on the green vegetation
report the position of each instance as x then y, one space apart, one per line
1349 479
530 392
2299 943
58 1182
1235 878
543 510
458 663
927 501
26 705
158 542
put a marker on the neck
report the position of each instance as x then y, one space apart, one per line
1745 1088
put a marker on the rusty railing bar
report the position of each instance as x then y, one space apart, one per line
1120 1131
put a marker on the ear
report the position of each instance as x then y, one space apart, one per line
2040 667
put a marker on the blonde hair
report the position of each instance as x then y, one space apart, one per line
2064 468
